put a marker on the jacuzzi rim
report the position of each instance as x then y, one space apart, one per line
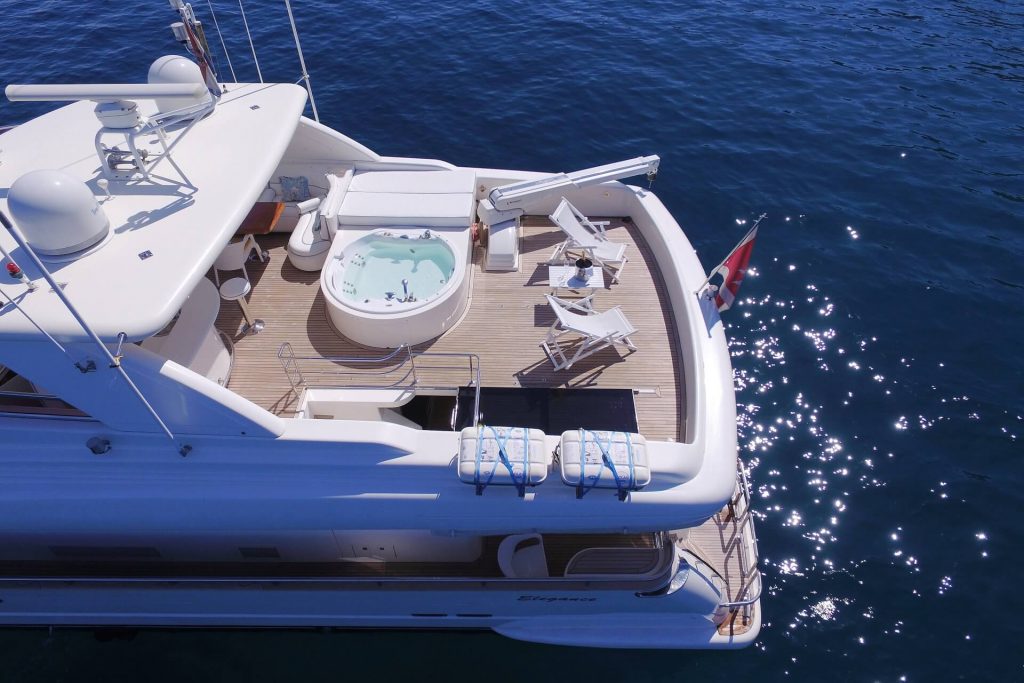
391 311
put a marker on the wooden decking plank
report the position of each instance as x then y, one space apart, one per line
506 321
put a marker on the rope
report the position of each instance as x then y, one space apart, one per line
223 46
252 47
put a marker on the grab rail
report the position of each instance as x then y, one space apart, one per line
403 368
745 519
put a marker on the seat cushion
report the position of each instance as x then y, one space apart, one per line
420 209
306 249
459 181
304 238
235 288
338 186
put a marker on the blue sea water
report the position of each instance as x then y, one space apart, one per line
877 349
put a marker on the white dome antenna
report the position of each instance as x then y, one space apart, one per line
57 213
174 70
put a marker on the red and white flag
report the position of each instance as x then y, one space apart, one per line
196 47
733 269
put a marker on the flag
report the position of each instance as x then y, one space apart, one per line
708 309
733 268
196 47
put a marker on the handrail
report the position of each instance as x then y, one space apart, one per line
746 521
406 367
27 394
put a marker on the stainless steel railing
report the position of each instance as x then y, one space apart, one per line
403 368
740 508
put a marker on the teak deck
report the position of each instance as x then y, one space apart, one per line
507 319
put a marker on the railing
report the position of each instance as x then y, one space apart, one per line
403 368
739 508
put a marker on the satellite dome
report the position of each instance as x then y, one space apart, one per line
56 212
176 69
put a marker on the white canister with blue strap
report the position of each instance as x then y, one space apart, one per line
503 456
604 459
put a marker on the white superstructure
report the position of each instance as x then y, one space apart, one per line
162 467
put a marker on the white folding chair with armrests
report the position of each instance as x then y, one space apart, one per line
598 330
585 235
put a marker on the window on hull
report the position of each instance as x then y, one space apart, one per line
19 395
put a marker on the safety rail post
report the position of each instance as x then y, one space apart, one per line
412 363
290 363
475 377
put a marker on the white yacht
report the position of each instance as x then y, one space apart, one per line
255 374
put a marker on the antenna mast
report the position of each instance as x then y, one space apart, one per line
302 60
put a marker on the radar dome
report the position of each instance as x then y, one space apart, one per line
56 212
176 69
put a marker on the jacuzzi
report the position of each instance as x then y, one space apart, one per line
394 286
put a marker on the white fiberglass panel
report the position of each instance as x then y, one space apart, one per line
165 233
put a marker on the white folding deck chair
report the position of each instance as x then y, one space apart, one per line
585 235
599 330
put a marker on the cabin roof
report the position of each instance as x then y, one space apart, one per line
181 220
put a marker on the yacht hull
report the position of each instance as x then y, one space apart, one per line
143 493
594 618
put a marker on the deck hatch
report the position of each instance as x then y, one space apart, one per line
553 410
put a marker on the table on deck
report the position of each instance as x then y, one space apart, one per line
564 278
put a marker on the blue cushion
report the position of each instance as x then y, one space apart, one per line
295 189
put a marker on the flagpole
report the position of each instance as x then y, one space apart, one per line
715 269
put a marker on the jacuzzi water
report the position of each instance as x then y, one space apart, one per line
396 286
383 272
